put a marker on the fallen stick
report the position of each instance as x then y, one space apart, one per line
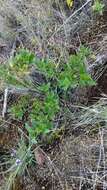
5 102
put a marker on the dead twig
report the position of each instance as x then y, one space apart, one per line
5 102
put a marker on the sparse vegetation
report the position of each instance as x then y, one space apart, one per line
52 129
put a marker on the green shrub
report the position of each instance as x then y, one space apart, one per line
98 7
40 112
22 61
74 72
19 109
43 110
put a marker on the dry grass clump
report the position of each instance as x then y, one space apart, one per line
47 27
82 161
31 24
